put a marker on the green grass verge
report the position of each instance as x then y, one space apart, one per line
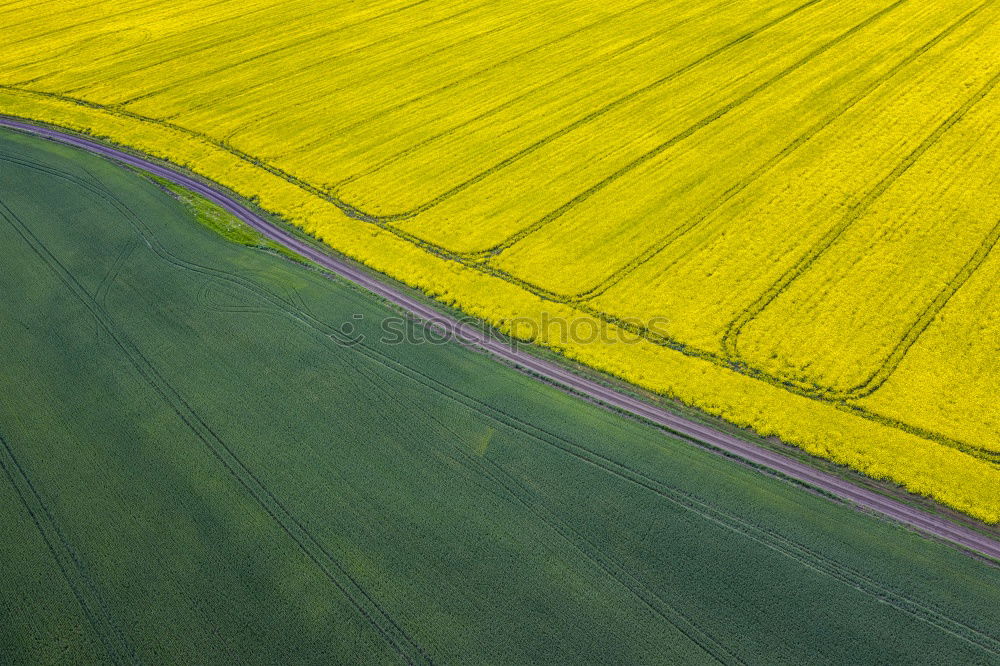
195 467
224 224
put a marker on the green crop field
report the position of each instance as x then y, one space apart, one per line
196 466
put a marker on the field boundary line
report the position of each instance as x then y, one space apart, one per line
964 446
307 319
983 453
791 548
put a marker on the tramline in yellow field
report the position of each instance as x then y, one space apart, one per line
803 195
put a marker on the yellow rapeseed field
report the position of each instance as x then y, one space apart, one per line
792 206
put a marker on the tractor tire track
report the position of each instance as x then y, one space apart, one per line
731 337
384 221
392 159
765 536
768 537
676 345
199 47
588 119
799 141
289 46
516 493
474 75
143 233
308 146
86 592
311 547
113 56
978 451
99 19
36 16
515 238
185 411
928 315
